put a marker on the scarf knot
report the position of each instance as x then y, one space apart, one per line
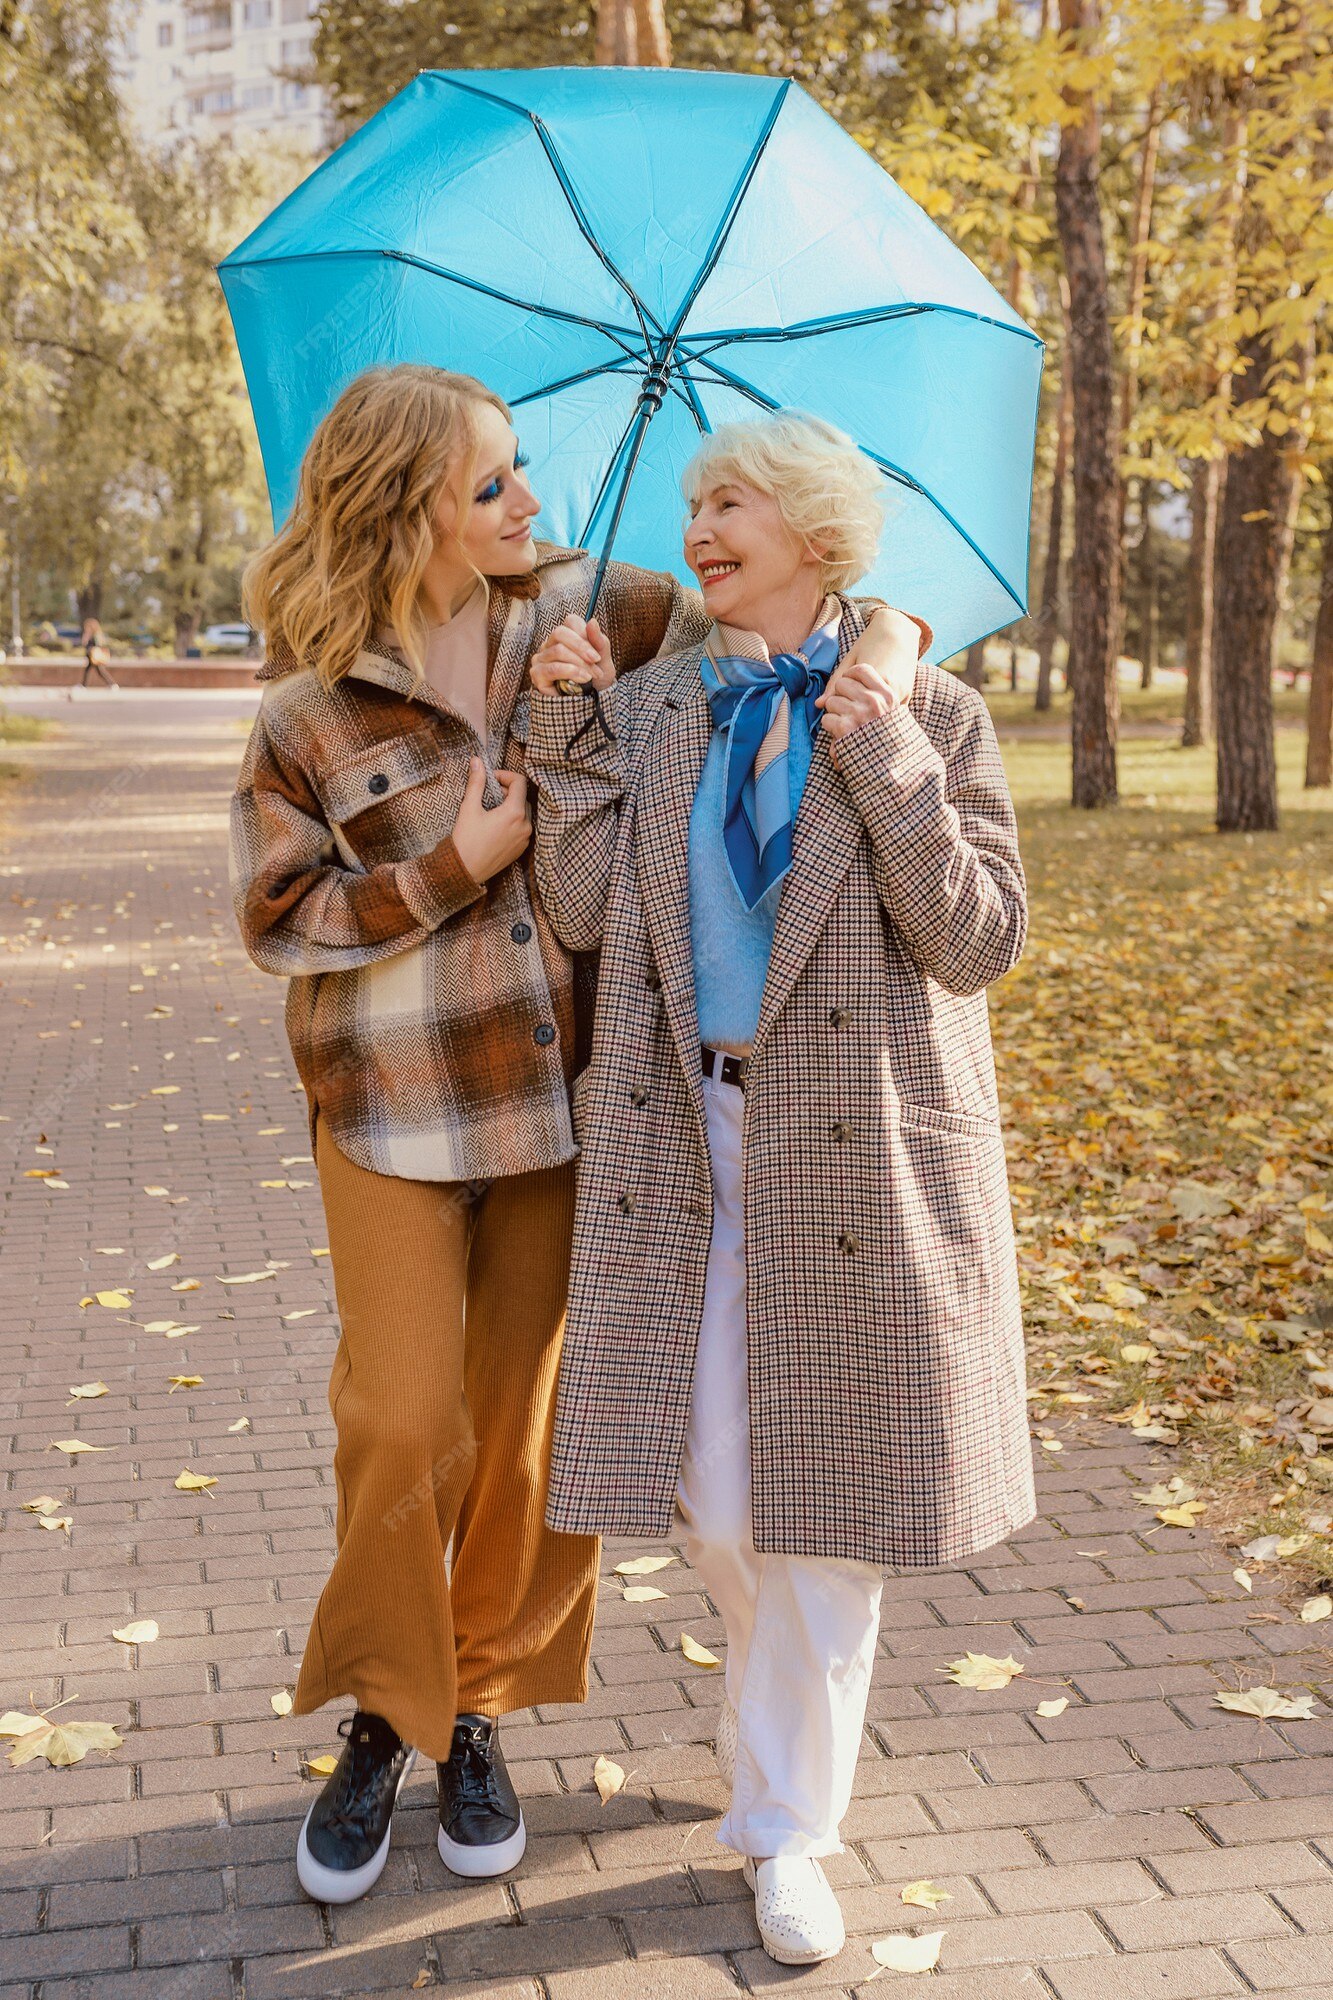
751 695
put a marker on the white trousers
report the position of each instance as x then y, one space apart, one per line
801 1630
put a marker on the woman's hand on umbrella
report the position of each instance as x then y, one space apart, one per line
576 655
487 838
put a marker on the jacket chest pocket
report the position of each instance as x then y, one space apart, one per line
385 799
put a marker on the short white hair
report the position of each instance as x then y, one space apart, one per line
828 492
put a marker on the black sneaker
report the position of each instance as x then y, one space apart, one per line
481 1820
344 1842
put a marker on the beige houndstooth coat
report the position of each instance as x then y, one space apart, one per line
887 1403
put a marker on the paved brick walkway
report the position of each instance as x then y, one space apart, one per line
1143 1845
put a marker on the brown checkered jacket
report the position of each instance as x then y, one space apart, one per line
888 1419
433 1020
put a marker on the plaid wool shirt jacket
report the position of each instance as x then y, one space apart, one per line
888 1418
433 1020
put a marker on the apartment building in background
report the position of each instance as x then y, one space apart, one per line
201 67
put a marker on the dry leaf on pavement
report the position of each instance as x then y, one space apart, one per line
699 1654
321 1767
642 1593
1052 1708
61 1742
608 1777
1268 1704
909 1954
87 1392
192 1482
281 1702
141 1632
1316 1608
925 1895
643 1565
980 1670
75 1445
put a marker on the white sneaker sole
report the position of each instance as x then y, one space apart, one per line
783 1954
344 1885
479 1862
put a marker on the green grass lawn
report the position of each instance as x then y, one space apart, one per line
1161 704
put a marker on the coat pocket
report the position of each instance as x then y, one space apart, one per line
375 776
950 1124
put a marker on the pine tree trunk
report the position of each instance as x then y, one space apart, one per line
1094 639
1149 609
1319 715
974 673
1199 723
1250 546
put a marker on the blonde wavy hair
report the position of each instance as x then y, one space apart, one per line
828 492
350 557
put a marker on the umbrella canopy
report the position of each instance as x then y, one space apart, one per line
631 258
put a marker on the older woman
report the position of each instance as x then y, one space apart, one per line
793 1334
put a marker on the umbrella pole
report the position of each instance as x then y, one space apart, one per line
650 402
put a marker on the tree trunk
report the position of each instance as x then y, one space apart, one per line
1250 548
1049 613
1199 722
1319 715
1140 233
633 32
1149 608
187 631
88 597
974 673
1094 639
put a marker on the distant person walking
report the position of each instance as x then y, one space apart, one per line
96 653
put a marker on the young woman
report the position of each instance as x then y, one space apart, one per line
381 830
793 1333
96 653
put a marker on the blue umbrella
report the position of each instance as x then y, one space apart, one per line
632 257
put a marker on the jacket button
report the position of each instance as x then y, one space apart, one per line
839 1017
543 1034
849 1242
521 933
638 1095
841 1131
653 981
626 1204
379 783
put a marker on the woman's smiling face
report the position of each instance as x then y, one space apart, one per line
496 535
743 553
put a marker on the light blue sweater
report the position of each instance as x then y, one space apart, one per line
732 945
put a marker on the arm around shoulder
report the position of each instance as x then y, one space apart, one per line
579 786
300 911
945 840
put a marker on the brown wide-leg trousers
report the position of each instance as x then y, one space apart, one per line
452 1303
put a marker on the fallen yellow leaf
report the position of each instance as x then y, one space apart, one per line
140 1632
608 1777
54 1521
321 1767
186 1285
241 1424
908 1954
1243 1578
1316 1608
113 1301
184 1382
43 1504
164 1263
642 1593
75 1445
980 1670
1268 1704
87 1392
1183 1516
281 1702
925 1895
64 1742
192 1482
1056 1706
700 1655
248 1278
643 1565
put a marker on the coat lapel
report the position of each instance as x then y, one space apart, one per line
675 746
825 837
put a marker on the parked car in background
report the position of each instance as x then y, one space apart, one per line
229 638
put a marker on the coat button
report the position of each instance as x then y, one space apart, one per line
638 1095
839 1017
543 1034
841 1131
379 783
849 1242
626 1204
521 933
653 981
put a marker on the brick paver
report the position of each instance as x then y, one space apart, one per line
1142 1843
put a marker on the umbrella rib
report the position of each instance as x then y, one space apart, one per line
572 381
620 335
892 471
567 190
868 316
738 195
